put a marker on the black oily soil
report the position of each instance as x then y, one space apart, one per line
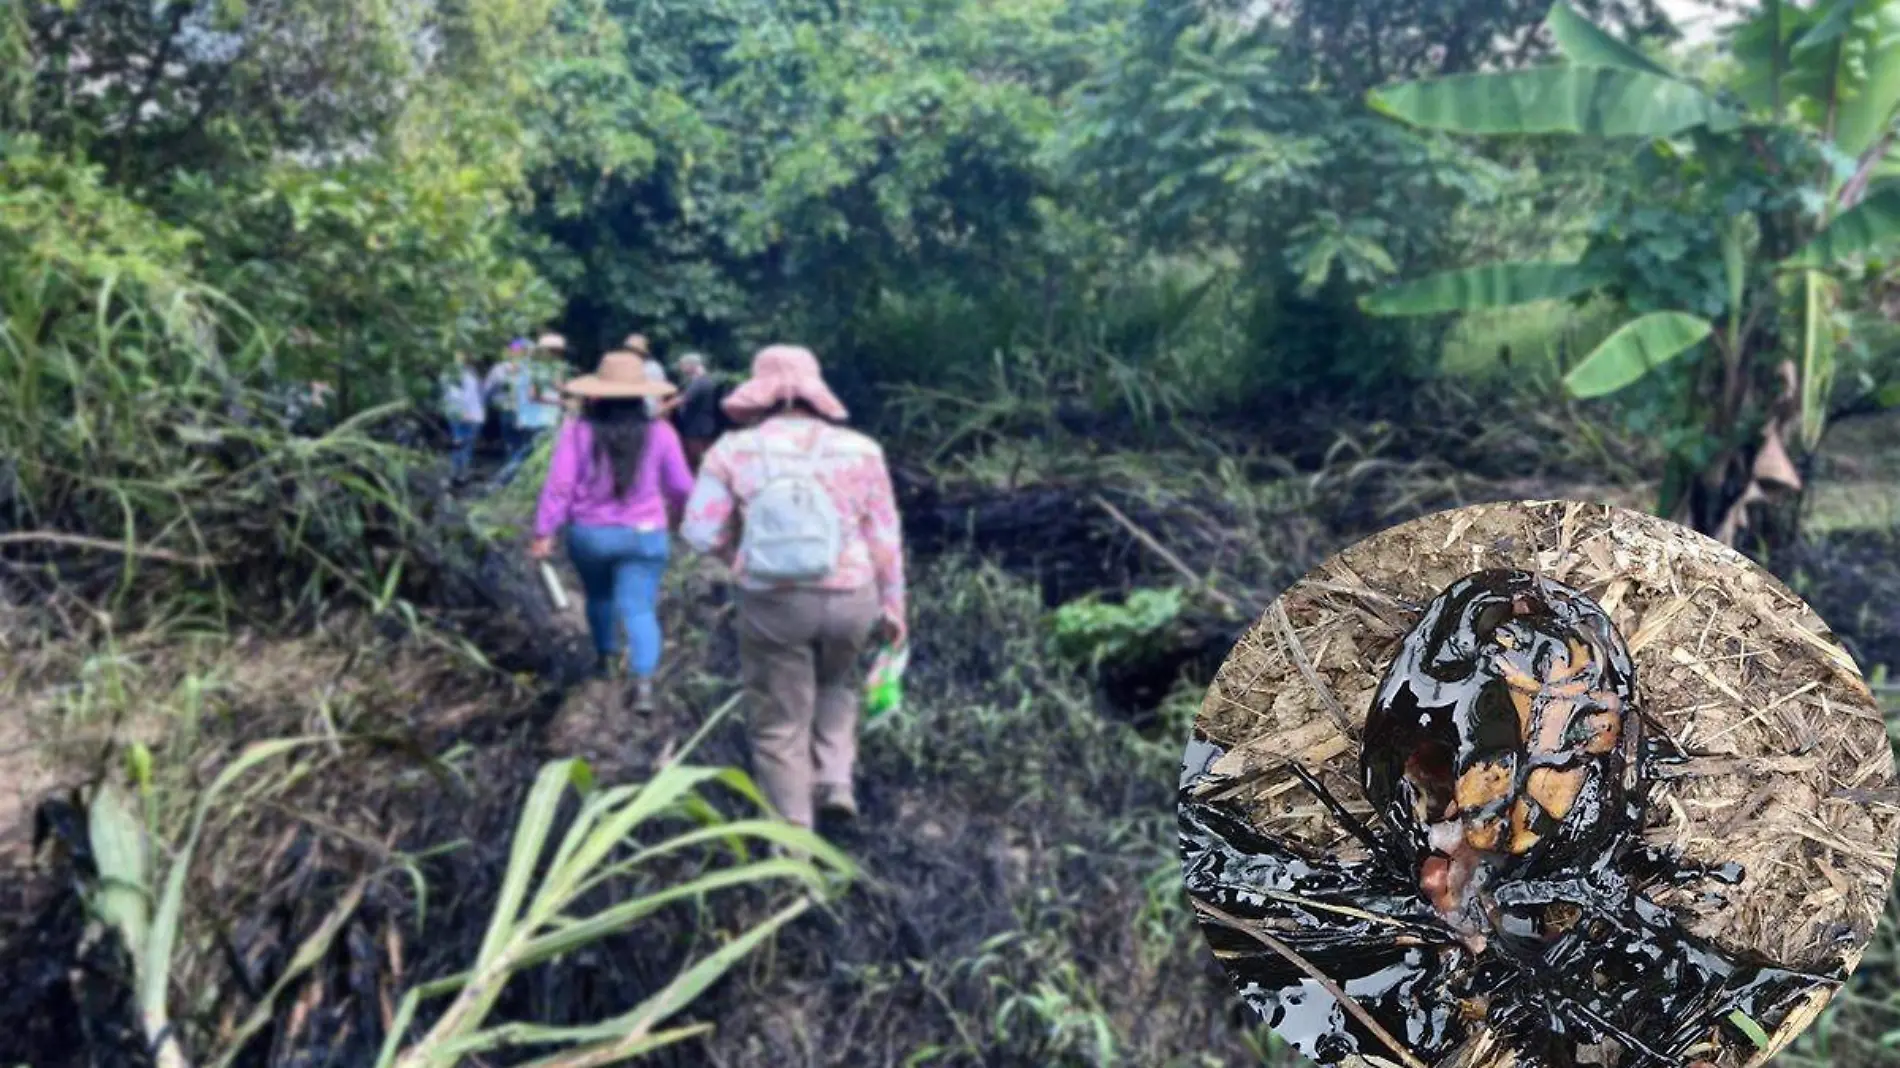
66 1001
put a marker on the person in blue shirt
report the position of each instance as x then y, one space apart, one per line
465 409
536 389
498 388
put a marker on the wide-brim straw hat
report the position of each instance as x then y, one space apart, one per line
782 373
620 375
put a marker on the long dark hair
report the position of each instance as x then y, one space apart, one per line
620 427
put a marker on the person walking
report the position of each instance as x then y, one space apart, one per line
615 477
803 510
537 398
656 371
466 411
695 409
498 387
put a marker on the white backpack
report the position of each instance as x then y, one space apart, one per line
792 532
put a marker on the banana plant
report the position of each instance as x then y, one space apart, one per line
1829 76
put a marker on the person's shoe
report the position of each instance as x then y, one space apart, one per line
609 665
836 800
641 696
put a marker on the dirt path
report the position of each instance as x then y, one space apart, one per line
25 779
594 721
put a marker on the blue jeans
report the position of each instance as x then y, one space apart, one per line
620 570
462 437
521 442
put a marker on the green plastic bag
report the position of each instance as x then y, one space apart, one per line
884 685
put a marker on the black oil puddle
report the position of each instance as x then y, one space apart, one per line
1551 946
1630 973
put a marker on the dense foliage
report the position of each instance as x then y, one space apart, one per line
1185 192
916 186
345 174
1755 191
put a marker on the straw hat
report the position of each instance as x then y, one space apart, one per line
636 343
552 343
783 373
620 374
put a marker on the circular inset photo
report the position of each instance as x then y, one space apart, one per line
1538 785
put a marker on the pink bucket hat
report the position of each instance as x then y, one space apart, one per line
783 373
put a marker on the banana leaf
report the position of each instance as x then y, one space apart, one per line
1492 285
1587 45
1595 101
1869 226
1635 349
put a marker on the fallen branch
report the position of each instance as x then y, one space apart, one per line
1259 934
1298 653
1154 544
81 541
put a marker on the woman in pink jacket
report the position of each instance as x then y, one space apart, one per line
616 478
800 639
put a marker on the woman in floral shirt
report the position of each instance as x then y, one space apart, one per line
800 643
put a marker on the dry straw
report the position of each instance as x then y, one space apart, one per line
1798 783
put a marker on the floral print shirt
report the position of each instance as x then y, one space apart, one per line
851 466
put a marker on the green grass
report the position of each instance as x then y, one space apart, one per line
1839 507
1857 481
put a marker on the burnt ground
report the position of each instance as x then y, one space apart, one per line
1852 578
1024 897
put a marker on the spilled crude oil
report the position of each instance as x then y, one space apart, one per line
1504 887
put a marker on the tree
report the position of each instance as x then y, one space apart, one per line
1205 137
352 170
1354 45
741 168
1719 254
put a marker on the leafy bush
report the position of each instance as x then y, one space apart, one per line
139 419
1093 632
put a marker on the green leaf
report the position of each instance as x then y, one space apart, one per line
1818 356
1888 396
627 1034
1637 348
124 895
1735 267
603 844
1863 228
530 841
1750 1028
1595 101
1867 113
155 982
1493 285
1587 45
1832 27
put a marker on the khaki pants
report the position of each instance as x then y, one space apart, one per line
799 653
